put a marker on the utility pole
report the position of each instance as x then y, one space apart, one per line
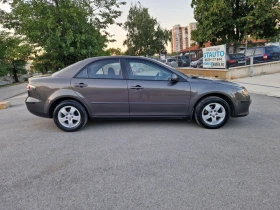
246 51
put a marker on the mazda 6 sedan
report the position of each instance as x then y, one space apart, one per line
132 87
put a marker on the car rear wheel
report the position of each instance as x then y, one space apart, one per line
212 112
70 116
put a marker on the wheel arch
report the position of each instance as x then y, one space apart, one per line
57 101
220 95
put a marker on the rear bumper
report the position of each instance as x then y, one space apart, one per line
242 108
36 107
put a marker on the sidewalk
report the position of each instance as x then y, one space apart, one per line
11 91
266 84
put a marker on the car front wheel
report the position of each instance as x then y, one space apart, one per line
70 116
212 112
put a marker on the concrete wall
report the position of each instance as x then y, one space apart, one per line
234 73
259 69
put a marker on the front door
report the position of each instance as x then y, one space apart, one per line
151 93
102 86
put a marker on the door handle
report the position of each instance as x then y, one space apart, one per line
137 87
80 85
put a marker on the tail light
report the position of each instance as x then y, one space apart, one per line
231 61
265 57
30 87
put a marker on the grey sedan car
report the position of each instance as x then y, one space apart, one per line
115 88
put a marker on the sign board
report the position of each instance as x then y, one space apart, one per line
214 57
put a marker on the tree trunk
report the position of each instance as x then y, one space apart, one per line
15 73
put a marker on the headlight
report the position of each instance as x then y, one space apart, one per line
244 92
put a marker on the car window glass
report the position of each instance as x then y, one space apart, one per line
249 52
258 51
273 49
105 69
145 70
83 73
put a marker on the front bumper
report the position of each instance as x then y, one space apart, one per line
242 108
35 107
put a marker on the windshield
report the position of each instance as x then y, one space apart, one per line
184 58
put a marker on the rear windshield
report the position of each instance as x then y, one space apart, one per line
170 60
273 49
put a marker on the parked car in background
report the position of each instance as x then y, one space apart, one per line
236 59
263 54
197 64
193 63
171 62
183 61
116 88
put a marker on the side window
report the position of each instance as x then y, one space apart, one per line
258 51
145 70
273 49
249 52
105 69
83 73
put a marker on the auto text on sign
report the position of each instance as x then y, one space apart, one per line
214 57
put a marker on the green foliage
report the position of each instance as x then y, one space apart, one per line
66 30
15 51
228 21
144 34
114 51
42 63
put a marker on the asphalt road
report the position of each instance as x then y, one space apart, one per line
141 164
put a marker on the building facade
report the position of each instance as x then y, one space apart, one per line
181 37
191 27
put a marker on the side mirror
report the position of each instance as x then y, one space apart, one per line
174 78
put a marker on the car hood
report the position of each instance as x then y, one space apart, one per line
217 81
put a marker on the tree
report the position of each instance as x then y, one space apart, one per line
230 21
68 30
3 46
144 34
16 53
114 51
42 63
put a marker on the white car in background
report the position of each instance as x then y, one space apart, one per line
171 62
197 63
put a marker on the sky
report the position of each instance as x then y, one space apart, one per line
167 12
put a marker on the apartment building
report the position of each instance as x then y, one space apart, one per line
181 37
191 27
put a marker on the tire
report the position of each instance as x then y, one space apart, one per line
70 116
212 112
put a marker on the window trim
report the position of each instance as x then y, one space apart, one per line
100 60
126 60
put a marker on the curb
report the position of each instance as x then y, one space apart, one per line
5 105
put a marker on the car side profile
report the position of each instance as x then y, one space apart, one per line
264 54
132 87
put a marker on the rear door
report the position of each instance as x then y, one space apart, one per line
258 55
102 86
